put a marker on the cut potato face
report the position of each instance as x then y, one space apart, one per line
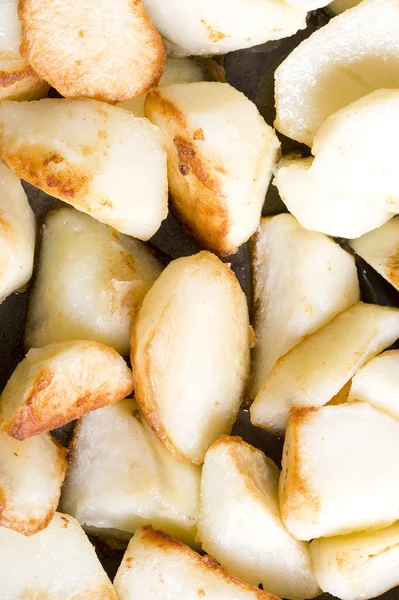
220 158
121 476
315 370
31 476
89 283
302 280
307 4
339 6
17 234
190 354
86 50
97 157
240 522
156 566
59 383
329 488
57 563
358 566
351 56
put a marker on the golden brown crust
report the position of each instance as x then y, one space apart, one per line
392 268
22 84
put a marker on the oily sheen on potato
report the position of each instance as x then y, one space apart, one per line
121 476
190 354
315 370
156 566
240 524
220 159
89 282
92 49
97 157
339 6
56 384
301 280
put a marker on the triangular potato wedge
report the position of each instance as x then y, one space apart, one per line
354 54
89 282
59 383
315 370
339 470
190 354
339 6
121 476
59 563
17 234
240 522
156 567
32 473
86 49
380 249
220 159
358 566
302 280
97 157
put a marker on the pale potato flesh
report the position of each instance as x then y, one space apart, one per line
307 4
97 157
17 234
89 282
358 566
121 476
339 470
56 384
190 354
240 523
315 370
302 280
220 159
354 54
157 567
58 563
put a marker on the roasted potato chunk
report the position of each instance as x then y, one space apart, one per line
190 354
220 158
339 6
59 383
97 157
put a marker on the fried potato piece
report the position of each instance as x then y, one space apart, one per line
121 476
32 473
302 280
339 6
97 157
89 282
17 234
59 563
339 470
59 383
351 56
220 159
315 370
190 354
240 524
358 566
307 4
380 249
156 566
84 49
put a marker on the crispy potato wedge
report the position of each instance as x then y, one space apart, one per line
156 566
240 522
190 354
339 470
315 370
87 50
17 234
32 473
121 476
302 280
89 282
59 563
358 566
354 54
339 6
97 157
220 159
59 383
